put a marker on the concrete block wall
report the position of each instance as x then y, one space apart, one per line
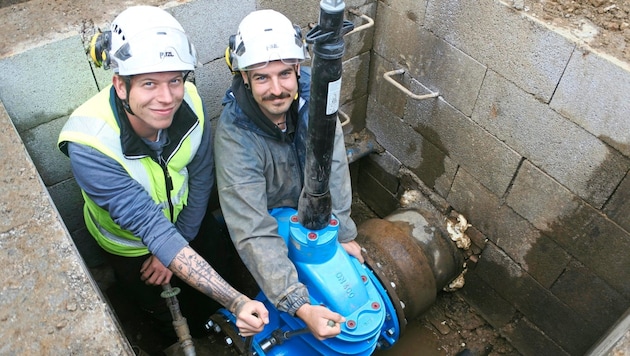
529 140
39 93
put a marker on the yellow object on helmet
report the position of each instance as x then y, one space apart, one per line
143 39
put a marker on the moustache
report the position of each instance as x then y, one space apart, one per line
282 95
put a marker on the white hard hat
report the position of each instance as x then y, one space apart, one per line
264 36
147 39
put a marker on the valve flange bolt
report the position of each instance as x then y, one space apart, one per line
351 324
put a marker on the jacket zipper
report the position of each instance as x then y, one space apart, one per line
169 186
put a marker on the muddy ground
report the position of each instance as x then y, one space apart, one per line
602 24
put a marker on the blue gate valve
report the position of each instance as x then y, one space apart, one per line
333 279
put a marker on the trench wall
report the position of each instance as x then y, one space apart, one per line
529 141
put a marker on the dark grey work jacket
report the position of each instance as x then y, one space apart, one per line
258 170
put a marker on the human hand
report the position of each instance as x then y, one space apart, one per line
153 272
353 249
318 319
251 317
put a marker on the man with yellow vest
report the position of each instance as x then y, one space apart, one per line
141 152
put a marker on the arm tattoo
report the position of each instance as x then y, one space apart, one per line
194 270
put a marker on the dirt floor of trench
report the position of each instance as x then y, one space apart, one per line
602 24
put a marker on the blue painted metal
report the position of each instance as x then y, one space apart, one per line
333 279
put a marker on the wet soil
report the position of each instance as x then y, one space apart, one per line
602 24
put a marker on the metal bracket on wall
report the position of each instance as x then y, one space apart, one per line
365 26
388 77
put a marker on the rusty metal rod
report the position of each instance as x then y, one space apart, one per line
179 321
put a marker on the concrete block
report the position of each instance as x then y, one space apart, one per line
496 310
413 150
478 240
413 10
103 77
437 170
618 207
491 161
301 13
433 62
563 325
590 296
361 41
211 40
529 340
88 248
41 143
377 197
587 234
385 174
410 181
36 89
492 33
213 80
359 3
356 111
593 94
382 91
568 153
69 201
536 253
387 162
394 135
354 79
444 182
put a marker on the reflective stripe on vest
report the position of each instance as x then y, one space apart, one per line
114 238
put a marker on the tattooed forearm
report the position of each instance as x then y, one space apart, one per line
194 270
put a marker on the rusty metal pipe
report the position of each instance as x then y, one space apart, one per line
412 254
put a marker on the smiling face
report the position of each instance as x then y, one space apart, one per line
153 98
274 88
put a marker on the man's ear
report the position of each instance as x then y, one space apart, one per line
120 87
245 79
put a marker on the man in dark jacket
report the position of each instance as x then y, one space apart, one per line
260 153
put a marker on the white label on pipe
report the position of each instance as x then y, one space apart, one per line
332 102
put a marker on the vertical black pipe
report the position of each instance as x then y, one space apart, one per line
315 206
